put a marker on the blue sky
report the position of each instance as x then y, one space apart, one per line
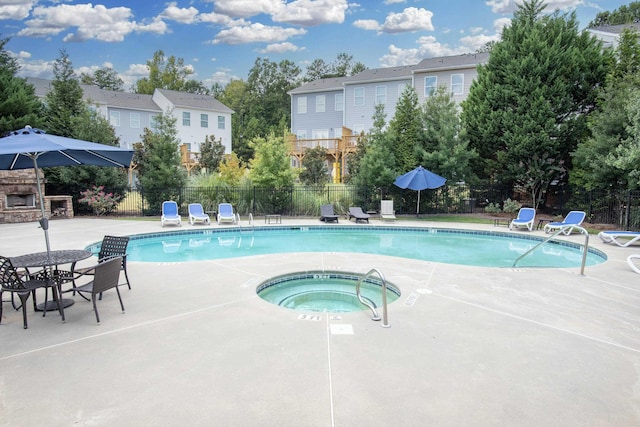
221 39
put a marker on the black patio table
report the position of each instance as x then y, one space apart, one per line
54 258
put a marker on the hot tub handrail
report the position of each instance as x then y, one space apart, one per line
385 323
564 228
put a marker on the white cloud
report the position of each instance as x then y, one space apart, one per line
428 47
24 55
38 68
394 1
410 19
214 18
280 48
156 26
222 76
510 6
367 24
92 22
255 33
500 23
180 14
311 12
15 9
246 8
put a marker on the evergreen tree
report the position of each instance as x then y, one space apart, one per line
64 100
211 153
531 100
445 151
164 73
158 162
314 167
19 105
377 163
405 131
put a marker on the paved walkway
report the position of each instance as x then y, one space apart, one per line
467 346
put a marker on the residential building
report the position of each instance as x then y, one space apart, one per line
197 116
333 112
610 34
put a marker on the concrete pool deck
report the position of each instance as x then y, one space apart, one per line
467 346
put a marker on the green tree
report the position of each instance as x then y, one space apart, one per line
595 164
532 98
444 151
158 159
314 167
377 163
232 170
623 15
626 157
211 153
64 100
164 73
105 78
405 130
271 166
19 105
236 97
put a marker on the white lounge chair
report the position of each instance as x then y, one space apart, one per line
386 209
170 213
525 219
630 261
225 213
620 238
573 218
197 214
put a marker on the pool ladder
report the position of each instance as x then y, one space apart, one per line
570 228
385 323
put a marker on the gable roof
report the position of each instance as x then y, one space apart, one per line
320 85
194 100
381 74
616 29
467 60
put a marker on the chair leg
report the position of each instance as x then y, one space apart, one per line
24 297
120 298
95 308
126 276
57 296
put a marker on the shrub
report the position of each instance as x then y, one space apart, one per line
99 201
511 206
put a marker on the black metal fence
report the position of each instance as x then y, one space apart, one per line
620 209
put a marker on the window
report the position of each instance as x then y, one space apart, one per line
302 105
221 123
457 84
339 100
204 120
430 85
134 120
358 97
381 94
153 122
114 118
186 119
302 134
320 104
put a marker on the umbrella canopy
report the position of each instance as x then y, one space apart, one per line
33 148
420 179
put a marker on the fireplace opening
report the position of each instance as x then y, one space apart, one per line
21 201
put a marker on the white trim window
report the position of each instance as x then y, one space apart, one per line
221 122
114 118
430 85
134 120
204 120
358 97
457 84
381 95
339 102
302 105
320 103
186 118
302 134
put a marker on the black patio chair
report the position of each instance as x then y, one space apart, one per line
106 275
25 285
327 214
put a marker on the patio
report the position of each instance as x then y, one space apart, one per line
197 346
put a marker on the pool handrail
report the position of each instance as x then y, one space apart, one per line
385 323
562 230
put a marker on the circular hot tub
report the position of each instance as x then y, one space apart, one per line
322 291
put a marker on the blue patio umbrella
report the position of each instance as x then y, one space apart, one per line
419 179
31 148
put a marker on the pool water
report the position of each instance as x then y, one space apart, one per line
463 247
333 292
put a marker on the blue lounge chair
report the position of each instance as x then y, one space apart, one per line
525 218
620 238
170 213
573 218
196 214
225 213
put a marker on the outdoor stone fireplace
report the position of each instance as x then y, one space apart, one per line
19 198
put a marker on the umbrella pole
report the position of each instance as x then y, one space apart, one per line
418 205
44 221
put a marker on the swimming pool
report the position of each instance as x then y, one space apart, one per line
453 246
